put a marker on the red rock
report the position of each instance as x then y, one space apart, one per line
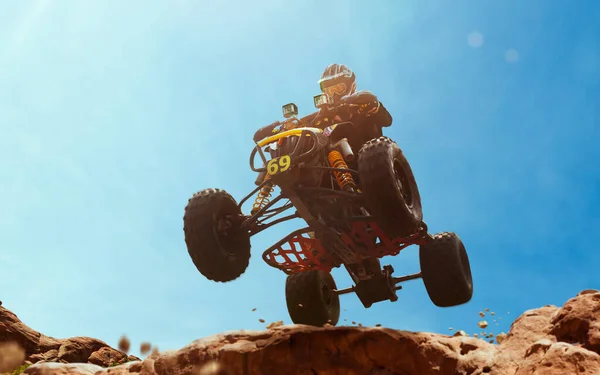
105 356
500 337
41 348
212 368
578 321
12 329
63 369
79 349
544 341
558 358
49 356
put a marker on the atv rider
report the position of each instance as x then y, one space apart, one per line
362 108
344 103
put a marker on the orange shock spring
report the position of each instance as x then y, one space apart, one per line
344 179
263 196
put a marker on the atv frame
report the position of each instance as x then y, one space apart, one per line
312 168
297 252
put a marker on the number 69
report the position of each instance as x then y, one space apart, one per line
277 165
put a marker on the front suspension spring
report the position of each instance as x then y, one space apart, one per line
263 196
344 179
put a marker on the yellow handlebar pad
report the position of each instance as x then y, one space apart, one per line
285 134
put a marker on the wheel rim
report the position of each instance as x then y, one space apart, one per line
224 231
326 295
405 187
465 264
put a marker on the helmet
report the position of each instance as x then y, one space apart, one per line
337 81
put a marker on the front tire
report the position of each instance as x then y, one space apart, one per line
218 246
446 271
310 298
389 187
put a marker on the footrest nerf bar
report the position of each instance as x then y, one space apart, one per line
367 237
298 252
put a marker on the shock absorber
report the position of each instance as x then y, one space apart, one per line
263 196
344 179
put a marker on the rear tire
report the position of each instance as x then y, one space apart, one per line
220 255
389 187
310 298
446 270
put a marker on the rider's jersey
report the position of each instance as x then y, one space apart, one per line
363 109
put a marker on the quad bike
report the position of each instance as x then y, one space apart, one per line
355 217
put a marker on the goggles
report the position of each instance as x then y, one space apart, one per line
336 85
336 89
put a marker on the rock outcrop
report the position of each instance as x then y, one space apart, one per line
544 341
19 342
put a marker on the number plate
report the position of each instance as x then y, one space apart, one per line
278 165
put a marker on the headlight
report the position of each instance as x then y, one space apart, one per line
290 110
320 101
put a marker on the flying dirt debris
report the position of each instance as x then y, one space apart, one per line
276 324
12 356
500 337
360 204
460 333
145 348
124 344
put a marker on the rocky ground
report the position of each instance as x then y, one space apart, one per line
20 344
544 341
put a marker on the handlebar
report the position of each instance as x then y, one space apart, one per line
302 133
265 131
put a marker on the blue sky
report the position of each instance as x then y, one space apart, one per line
112 114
